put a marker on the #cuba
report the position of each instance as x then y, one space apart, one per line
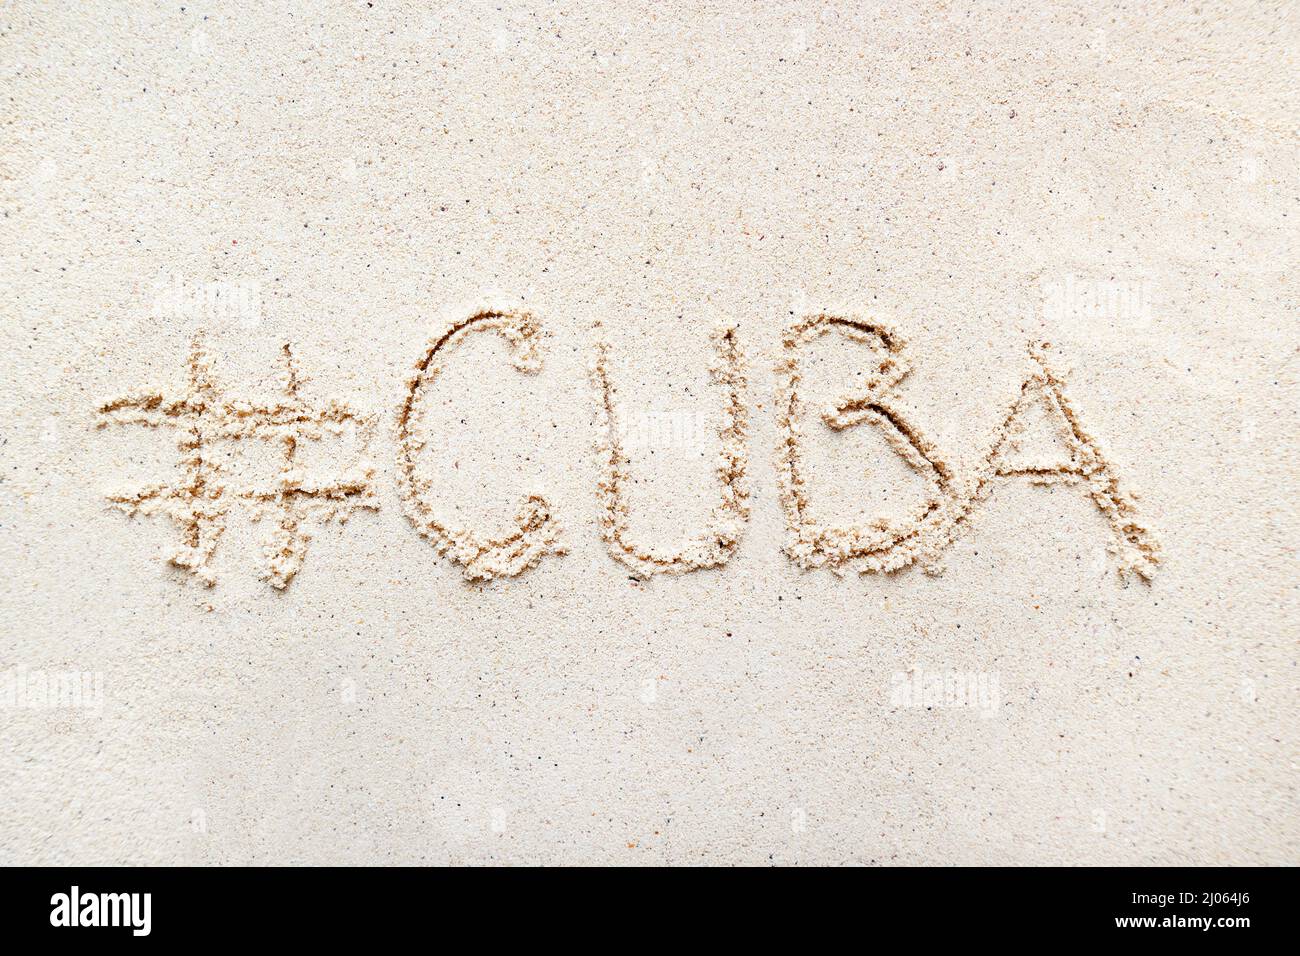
204 414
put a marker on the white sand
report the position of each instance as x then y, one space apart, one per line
389 666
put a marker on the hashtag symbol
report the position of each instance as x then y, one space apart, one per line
294 496
199 501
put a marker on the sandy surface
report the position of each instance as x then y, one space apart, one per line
1035 606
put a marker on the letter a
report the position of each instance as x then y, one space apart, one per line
1079 461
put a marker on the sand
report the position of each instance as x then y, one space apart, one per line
546 433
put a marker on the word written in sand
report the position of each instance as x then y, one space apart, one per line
202 414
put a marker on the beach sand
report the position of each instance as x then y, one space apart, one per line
897 464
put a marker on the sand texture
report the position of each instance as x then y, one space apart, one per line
649 433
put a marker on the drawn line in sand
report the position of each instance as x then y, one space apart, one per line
885 546
199 502
537 532
296 496
715 546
